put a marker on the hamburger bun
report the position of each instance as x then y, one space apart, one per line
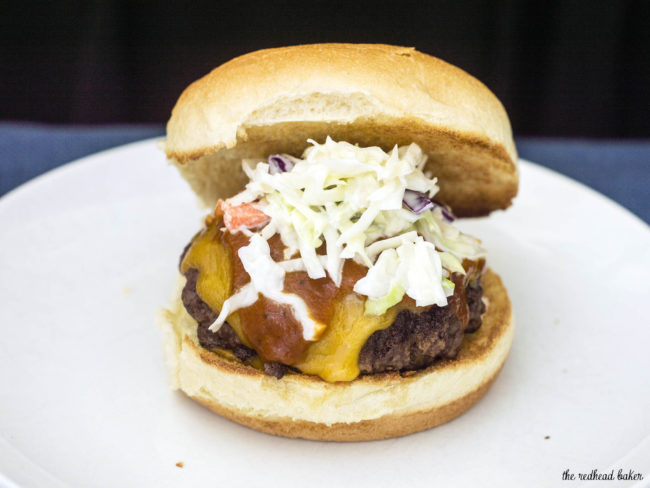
272 101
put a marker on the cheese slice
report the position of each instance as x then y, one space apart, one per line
335 356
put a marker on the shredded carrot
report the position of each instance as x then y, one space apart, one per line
241 216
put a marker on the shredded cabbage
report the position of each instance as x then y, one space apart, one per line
349 198
379 306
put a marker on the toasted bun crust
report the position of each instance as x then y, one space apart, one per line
371 407
272 101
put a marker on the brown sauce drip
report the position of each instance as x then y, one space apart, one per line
474 270
458 301
273 331
317 294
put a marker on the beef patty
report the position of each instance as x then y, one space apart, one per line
416 340
413 341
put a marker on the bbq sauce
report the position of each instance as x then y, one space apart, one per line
458 301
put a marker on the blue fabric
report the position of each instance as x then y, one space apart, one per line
618 169
27 150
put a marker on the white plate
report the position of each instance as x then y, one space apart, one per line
88 252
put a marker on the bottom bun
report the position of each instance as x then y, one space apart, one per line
371 407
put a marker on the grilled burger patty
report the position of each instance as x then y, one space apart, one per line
413 341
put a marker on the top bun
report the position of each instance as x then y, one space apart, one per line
272 101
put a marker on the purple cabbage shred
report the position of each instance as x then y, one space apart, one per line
418 202
279 163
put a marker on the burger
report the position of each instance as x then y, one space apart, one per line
329 294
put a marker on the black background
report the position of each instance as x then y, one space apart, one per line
561 68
